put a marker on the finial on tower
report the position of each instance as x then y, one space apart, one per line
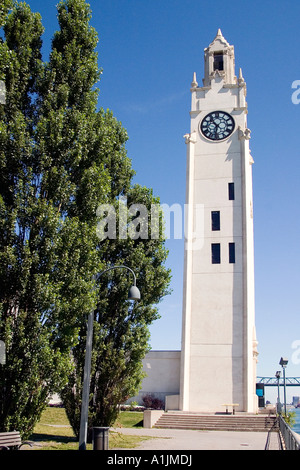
220 40
194 83
241 80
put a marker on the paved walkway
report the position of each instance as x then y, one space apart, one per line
274 442
175 439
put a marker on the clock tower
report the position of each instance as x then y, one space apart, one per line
219 355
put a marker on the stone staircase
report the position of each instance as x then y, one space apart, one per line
222 422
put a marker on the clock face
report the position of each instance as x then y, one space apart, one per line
217 125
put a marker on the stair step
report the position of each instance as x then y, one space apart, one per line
205 422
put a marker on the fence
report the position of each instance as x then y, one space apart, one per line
291 440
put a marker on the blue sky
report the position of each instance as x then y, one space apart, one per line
148 51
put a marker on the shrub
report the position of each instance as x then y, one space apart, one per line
150 401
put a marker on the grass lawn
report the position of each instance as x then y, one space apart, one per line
129 419
54 432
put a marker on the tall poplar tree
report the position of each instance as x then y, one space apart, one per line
60 157
42 288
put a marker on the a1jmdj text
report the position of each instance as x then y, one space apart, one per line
162 459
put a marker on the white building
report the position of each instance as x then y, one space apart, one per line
218 357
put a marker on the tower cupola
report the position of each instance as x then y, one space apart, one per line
219 61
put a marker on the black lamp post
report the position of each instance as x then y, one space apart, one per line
284 362
277 375
133 294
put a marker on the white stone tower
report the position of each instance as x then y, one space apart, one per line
218 360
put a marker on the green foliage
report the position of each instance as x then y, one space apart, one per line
121 331
4 8
60 157
289 418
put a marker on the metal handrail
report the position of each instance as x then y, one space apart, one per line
290 438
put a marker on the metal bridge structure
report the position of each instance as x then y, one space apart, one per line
274 381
